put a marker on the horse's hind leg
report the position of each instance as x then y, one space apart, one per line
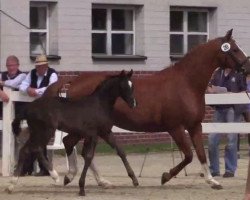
182 142
197 140
23 154
99 179
88 154
110 139
69 142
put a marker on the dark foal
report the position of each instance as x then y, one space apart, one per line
87 118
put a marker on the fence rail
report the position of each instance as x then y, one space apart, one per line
211 99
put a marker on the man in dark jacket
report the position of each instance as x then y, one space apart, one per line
225 80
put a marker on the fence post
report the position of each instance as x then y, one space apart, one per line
8 143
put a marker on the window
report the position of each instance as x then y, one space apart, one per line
39 29
188 28
113 31
43 29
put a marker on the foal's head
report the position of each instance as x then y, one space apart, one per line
231 55
126 88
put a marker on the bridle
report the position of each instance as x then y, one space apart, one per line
238 63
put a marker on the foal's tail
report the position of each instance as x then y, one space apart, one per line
16 129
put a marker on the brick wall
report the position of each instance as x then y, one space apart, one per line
140 138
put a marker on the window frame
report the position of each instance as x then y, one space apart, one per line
40 5
109 32
185 31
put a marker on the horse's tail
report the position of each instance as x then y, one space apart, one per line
16 123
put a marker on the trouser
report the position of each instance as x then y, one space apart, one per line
230 156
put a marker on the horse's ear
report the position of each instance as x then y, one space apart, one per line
122 73
130 73
228 35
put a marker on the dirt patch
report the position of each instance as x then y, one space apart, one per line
190 187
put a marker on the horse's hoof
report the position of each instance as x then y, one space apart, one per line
165 177
105 184
135 183
217 187
66 180
82 193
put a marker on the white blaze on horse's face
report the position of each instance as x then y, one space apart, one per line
241 49
130 83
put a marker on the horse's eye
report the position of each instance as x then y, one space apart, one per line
235 50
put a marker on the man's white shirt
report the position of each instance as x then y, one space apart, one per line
27 81
15 83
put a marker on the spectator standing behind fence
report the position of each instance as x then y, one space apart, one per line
225 80
246 113
12 77
35 84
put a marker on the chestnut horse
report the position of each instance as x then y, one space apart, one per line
171 100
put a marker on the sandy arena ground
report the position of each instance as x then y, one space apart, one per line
190 187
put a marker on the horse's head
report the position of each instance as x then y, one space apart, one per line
231 55
126 88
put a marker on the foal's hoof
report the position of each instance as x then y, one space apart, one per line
135 183
217 187
66 180
82 193
165 177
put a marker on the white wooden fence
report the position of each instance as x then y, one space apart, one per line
211 99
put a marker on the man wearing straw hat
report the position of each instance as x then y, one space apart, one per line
37 81
35 84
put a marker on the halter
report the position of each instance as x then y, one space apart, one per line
225 47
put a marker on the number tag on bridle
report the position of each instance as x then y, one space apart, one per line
225 47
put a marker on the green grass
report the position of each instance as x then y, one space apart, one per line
103 148
139 148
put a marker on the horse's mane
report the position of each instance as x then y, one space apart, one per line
193 53
105 81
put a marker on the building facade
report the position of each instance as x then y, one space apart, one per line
111 35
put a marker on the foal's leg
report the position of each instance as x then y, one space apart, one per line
69 142
23 154
110 139
47 165
88 154
180 139
197 140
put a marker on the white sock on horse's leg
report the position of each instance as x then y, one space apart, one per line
100 180
13 182
53 173
72 161
208 177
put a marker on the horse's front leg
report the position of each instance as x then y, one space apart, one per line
69 142
197 140
88 154
99 179
178 134
23 154
110 139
